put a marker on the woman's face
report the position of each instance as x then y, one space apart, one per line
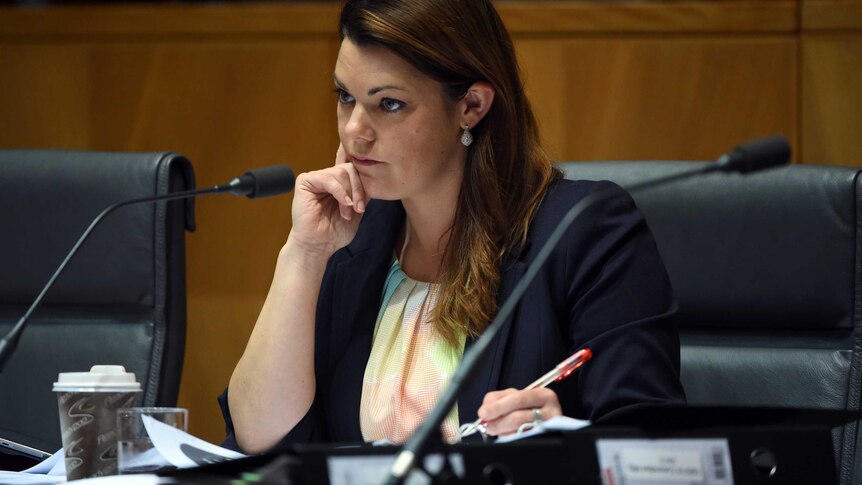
398 128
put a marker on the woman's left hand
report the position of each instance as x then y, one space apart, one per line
504 411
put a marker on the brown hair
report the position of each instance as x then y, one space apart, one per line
459 42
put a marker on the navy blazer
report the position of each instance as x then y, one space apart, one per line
604 287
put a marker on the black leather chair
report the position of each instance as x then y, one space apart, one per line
122 298
767 269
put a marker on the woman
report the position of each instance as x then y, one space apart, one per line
400 253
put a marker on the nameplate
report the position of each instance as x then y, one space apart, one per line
672 461
357 470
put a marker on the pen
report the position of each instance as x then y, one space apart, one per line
561 371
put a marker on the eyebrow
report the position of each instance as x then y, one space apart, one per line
372 91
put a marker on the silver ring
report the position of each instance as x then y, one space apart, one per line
536 422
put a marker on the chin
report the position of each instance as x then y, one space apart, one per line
373 191
390 197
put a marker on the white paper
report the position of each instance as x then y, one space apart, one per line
59 466
183 450
557 423
171 447
56 468
51 470
21 478
665 461
48 465
140 479
361 470
149 460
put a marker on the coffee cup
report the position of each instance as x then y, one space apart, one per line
88 403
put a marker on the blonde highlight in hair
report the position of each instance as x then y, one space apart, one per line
457 43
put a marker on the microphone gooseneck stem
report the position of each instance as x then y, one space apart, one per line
418 443
261 182
10 342
748 157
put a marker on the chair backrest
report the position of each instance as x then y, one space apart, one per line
766 268
122 298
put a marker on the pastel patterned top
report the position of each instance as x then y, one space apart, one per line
410 364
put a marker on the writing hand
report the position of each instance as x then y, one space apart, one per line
504 411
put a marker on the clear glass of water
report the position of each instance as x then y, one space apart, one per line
135 450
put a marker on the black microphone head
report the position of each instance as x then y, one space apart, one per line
263 182
755 155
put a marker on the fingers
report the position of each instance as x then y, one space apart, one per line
330 182
357 191
340 155
512 421
342 183
504 411
495 396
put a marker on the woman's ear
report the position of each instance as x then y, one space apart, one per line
476 103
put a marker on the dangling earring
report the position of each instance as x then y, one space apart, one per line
466 137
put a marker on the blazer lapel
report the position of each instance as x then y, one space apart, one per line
488 375
359 283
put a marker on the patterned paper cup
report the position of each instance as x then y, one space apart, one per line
88 403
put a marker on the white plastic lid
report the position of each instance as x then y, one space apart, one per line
101 378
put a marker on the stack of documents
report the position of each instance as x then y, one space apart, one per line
171 448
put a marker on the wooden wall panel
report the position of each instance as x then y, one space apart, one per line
614 18
687 97
832 98
831 74
43 98
831 15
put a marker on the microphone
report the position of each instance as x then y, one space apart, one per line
263 182
260 182
756 155
759 154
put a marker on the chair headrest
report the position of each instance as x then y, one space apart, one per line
773 249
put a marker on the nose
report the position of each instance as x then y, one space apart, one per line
359 130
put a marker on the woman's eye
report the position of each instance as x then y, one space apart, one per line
391 105
343 96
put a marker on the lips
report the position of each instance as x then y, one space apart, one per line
363 161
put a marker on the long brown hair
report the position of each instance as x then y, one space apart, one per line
459 42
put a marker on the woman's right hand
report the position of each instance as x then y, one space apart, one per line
327 206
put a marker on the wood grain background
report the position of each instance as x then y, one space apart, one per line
238 86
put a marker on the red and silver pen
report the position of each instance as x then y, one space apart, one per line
561 371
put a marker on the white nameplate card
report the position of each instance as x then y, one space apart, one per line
365 469
665 461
